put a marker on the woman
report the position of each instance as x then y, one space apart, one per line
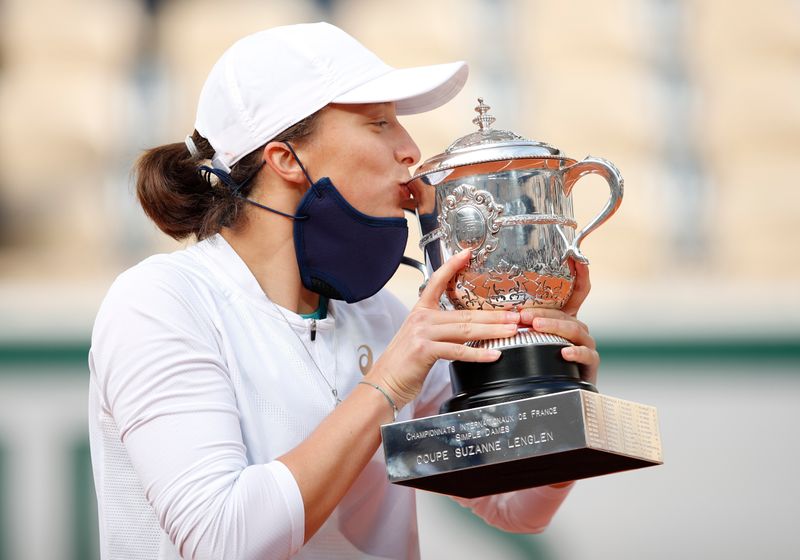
238 386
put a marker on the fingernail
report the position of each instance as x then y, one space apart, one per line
512 316
493 353
540 322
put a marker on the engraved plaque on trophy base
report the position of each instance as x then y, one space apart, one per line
521 444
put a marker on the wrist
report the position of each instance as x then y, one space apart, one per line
399 393
389 400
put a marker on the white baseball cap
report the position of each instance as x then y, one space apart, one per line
268 81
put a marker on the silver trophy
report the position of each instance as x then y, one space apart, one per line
527 419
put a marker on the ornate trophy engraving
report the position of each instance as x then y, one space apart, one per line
527 419
469 218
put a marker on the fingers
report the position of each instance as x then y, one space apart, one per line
581 354
571 329
438 280
459 352
464 332
554 321
586 357
469 316
461 326
528 315
580 288
409 204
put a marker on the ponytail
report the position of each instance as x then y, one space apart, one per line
183 202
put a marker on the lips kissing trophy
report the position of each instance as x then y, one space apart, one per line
527 419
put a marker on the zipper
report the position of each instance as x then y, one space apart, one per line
313 330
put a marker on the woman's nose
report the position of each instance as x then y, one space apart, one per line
407 151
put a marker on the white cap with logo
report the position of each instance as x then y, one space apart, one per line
268 81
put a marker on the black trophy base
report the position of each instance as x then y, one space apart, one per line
521 372
522 444
507 477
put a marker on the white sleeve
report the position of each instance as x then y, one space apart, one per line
523 511
160 371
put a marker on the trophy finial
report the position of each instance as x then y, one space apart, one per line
484 120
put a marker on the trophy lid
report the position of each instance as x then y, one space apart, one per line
484 145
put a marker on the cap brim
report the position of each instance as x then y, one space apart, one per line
413 90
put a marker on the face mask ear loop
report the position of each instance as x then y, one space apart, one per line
226 178
300 163
290 216
235 187
207 172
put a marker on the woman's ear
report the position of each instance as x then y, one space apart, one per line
280 159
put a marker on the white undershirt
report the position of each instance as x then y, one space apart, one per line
197 385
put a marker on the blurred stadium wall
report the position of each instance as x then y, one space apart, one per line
695 300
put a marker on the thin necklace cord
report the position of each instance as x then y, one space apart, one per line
332 387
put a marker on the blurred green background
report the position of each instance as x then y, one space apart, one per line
695 301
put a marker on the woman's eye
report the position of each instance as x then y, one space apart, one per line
381 123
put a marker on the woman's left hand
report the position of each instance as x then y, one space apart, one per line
564 322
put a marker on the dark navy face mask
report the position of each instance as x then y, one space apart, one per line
342 253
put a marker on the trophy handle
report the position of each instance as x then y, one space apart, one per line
613 177
414 263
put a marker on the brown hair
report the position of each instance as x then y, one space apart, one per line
183 202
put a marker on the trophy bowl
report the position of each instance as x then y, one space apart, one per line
508 200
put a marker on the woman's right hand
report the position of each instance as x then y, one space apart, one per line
430 333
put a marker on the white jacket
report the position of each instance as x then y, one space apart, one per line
196 387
